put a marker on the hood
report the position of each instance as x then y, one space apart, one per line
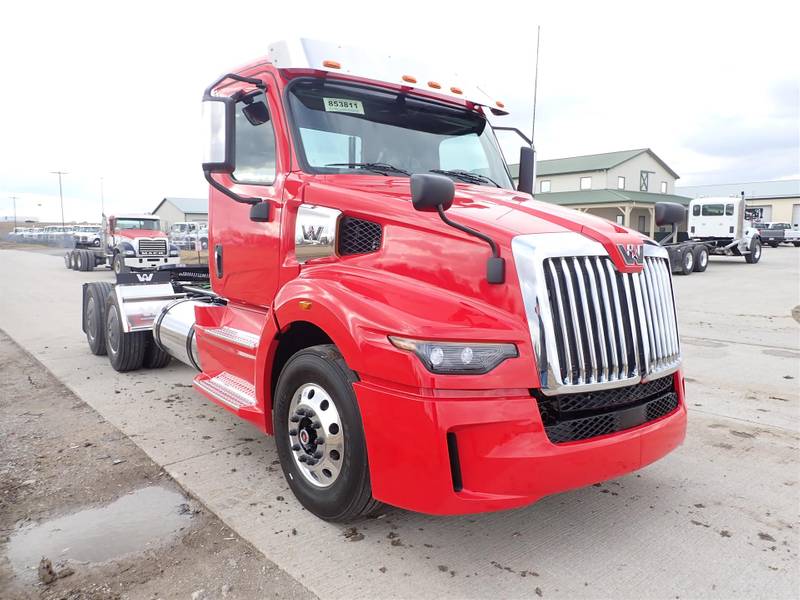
500 213
132 234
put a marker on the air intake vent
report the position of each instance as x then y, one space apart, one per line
357 236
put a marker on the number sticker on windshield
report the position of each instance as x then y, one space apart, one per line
343 105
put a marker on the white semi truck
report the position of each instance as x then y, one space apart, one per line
715 226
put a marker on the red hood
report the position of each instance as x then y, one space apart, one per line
500 213
132 234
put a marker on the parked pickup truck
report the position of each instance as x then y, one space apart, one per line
773 233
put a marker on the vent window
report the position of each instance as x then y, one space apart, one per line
357 236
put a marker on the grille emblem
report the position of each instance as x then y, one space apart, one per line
631 253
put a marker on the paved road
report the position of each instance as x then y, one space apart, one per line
717 518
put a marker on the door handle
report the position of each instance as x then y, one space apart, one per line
218 259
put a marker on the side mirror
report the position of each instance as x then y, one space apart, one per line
527 164
429 191
219 131
669 213
259 213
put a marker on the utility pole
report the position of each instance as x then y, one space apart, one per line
60 193
102 199
14 200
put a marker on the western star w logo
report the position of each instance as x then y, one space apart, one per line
144 277
631 253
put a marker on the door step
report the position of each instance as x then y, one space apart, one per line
228 389
239 337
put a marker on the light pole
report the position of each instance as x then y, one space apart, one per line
14 200
102 200
60 194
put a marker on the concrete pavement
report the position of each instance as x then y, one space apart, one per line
717 518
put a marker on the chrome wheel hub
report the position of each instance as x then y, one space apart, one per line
316 437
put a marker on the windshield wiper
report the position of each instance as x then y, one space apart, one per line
377 167
467 176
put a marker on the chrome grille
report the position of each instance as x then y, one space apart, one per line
153 247
592 326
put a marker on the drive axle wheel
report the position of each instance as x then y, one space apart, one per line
125 350
94 315
68 260
687 262
319 435
73 260
755 252
700 259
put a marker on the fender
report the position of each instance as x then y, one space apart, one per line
122 247
342 301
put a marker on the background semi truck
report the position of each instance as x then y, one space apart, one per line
126 242
411 328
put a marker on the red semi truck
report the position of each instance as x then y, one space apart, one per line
411 328
127 241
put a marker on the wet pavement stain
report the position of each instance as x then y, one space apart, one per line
141 520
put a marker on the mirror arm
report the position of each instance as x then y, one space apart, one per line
230 193
495 268
515 130
256 82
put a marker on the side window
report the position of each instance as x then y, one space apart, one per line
544 186
729 210
586 183
663 187
255 141
713 210
327 147
620 183
696 210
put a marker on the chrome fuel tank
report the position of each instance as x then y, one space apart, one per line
173 330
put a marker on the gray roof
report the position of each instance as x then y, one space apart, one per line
594 162
587 197
186 205
786 188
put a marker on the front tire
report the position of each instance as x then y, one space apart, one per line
125 350
118 264
755 252
320 437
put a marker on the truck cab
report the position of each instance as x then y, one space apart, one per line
412 328
136 241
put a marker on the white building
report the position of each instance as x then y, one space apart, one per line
175 210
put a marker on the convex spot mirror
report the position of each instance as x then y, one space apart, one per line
256 113
429 191
219 131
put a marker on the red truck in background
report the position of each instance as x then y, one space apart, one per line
127 241
411 328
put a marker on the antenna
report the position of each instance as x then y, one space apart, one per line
535 85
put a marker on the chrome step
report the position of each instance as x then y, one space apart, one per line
229 389
245 339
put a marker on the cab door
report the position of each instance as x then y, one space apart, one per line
244 255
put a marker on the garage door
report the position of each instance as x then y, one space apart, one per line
796 216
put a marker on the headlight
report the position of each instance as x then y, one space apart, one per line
457 357
130 253
173 253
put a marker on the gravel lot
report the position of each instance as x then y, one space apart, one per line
717 518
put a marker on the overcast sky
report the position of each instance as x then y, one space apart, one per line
112 90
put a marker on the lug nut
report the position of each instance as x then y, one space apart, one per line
296 447
293 432
300 411
303 458
317 454
294 419
311 462
316 425
319 441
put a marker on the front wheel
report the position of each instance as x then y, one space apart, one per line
320 437
118 264
755 252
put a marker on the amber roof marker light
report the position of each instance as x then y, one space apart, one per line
435 85
409 79
331 64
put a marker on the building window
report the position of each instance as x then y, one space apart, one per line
620 219
620 183
644 181
641 224
663 187
544 186
586 183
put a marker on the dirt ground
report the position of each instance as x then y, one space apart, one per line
61 462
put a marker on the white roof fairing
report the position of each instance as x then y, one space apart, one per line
305 53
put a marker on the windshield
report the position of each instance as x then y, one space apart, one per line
127 223
348 128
